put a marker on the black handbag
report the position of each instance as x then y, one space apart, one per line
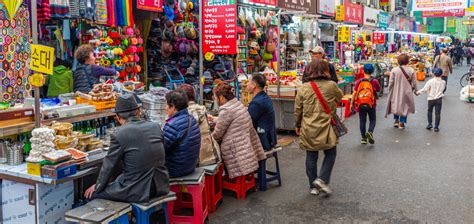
339 128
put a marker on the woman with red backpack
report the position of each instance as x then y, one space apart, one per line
364 99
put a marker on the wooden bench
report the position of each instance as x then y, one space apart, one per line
100 211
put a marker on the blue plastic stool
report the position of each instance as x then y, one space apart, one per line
123 219
143 211
263 172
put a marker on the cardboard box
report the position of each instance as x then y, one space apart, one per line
59 173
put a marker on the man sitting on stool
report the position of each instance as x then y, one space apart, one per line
138 145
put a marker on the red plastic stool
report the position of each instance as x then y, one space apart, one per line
240 185
191 194
214 185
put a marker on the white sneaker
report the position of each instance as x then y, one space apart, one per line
314 191
322 186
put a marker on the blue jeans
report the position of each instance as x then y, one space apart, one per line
400 118
326 168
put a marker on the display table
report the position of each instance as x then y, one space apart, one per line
33 199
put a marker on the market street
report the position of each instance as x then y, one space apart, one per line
408 176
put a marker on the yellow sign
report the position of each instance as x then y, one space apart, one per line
416 39
209 56
451 22
37 80
42 59
343 34
11 6
340 12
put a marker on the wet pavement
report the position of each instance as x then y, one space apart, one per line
408 176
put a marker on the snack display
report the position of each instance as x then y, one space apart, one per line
62 128
76 154
100 93
41 143
63 142
57 156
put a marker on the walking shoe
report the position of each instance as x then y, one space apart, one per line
322 186
436 129
401 125
395 125
314 191
370 137
363 141
429 127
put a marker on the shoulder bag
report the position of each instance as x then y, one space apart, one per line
339 128
407 77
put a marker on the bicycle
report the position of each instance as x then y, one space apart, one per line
465 78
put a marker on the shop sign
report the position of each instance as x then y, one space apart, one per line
469 11
443 13
433 5
370 16
343 34
424 28
219 28
298 5
339 12
150 5
451 22
378 38
37 80
271 3
384 2
42 59
383 18
326 7
353 13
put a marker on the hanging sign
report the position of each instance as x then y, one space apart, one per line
11 6
370 16
378 38
343 34
433 5
299 5
272 3
353 13
382 19
469 11
443 13
219 28
339 12
42 59
416 39
384 2
37 80
326 7
150 5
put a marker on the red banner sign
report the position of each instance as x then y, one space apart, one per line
264 2
378 38
354 13
443 13
219 29
150 5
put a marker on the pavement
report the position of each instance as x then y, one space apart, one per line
408 176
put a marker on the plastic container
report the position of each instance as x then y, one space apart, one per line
33 169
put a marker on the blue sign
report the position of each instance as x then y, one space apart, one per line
383 19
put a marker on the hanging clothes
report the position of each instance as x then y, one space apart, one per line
101 11
43 10
87 9
111 13
74 8
59 8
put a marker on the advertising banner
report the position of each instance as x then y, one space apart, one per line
469 11
378 38
299 5
433 5
353 13
343 34
326 7
150 5
219 28
443 13
370 16
272 3
382 19
339 12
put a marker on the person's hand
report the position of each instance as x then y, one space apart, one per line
89 192
210 118
298 131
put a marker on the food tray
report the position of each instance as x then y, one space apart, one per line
56 156
76 154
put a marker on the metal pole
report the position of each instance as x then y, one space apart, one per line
278 55
201 64
36 90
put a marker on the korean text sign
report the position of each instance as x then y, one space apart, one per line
219 28
339 12
343 34
378 38
353 13
42 59
150 5
432 5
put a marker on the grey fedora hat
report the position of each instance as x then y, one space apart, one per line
126 103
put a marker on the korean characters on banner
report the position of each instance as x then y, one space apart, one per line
433 5
150 5
353 13
378 38
219 27
343 34
42 59
339 12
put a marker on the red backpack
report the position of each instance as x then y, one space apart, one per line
364 95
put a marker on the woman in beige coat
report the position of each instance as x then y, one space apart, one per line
314 126
240 146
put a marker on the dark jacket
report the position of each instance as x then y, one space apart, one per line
263 118
332 72
82 81
138 145
182 143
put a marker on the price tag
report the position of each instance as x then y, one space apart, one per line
37 80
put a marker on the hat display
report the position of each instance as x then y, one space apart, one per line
126 103
317 49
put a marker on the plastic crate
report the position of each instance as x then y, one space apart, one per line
348 79
101 105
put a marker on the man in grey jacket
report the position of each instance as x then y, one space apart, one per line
138 145
444 62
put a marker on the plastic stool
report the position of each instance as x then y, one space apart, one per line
100 211
240 185
192 184
347 107
263 172
143 211
214 185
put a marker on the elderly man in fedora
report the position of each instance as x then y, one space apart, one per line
138 145
317 53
